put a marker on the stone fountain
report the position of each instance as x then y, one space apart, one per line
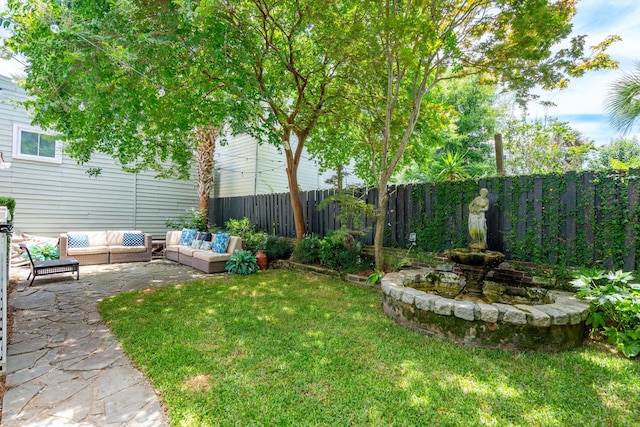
474 311
476 260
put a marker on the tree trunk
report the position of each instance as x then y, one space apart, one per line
206 137
378 242
293 160
296 204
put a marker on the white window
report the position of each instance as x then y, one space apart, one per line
31 143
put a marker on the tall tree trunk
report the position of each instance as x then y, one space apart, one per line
378 242
206 137
293 160
296 204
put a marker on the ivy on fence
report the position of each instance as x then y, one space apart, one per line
586 218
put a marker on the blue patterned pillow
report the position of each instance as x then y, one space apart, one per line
195 244
222 243
206 246
187 236
133 239
77 240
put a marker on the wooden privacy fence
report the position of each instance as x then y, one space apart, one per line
585 218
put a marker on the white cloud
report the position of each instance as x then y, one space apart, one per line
585 97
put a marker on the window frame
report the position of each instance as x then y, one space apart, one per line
18 128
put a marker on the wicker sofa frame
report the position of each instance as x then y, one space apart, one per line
197 258
107 254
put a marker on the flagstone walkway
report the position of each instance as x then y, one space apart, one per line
64 367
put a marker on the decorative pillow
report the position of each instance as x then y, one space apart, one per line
187 236
206 245
133 239
204 236
195 244
77 240
222 243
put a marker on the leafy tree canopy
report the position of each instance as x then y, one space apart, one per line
621 153
133 79
538 147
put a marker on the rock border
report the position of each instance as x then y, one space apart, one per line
555 326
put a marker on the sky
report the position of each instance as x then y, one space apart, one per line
582 103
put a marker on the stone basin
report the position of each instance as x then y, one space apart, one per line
555 326
475 257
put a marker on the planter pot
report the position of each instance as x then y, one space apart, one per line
261 258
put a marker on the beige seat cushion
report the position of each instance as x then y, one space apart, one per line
126 249
210 256
186 250
172 248
91 250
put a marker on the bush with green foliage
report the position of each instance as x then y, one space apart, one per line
341 252
42 253
242 262
191 218
307 250
615 306
276 247
10 203
243 228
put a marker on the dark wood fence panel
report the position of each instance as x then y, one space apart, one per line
588 218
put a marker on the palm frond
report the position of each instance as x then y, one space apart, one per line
623 102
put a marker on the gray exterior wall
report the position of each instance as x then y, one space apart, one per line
55 198
246 168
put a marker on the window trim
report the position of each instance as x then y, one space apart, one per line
16 154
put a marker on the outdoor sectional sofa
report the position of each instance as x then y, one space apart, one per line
106 247
180 247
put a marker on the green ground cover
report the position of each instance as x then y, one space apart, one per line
289 349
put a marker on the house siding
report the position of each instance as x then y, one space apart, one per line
55 198
244 167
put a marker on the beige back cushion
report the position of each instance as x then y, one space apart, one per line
234 243
173 237
114 238
96 238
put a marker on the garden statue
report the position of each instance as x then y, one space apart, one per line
476 261
477 220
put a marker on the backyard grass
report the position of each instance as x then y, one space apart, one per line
288 349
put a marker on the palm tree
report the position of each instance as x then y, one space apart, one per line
623 102
453 166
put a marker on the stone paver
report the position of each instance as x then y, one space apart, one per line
64 367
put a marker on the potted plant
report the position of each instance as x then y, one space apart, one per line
261 254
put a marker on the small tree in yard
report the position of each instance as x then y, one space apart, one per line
406 49
291 61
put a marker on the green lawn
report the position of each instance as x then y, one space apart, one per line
284 348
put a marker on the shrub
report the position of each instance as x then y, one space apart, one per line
192 219
239 227
242 262
243 228
42 253
276 247
339 251
614 308
307 250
